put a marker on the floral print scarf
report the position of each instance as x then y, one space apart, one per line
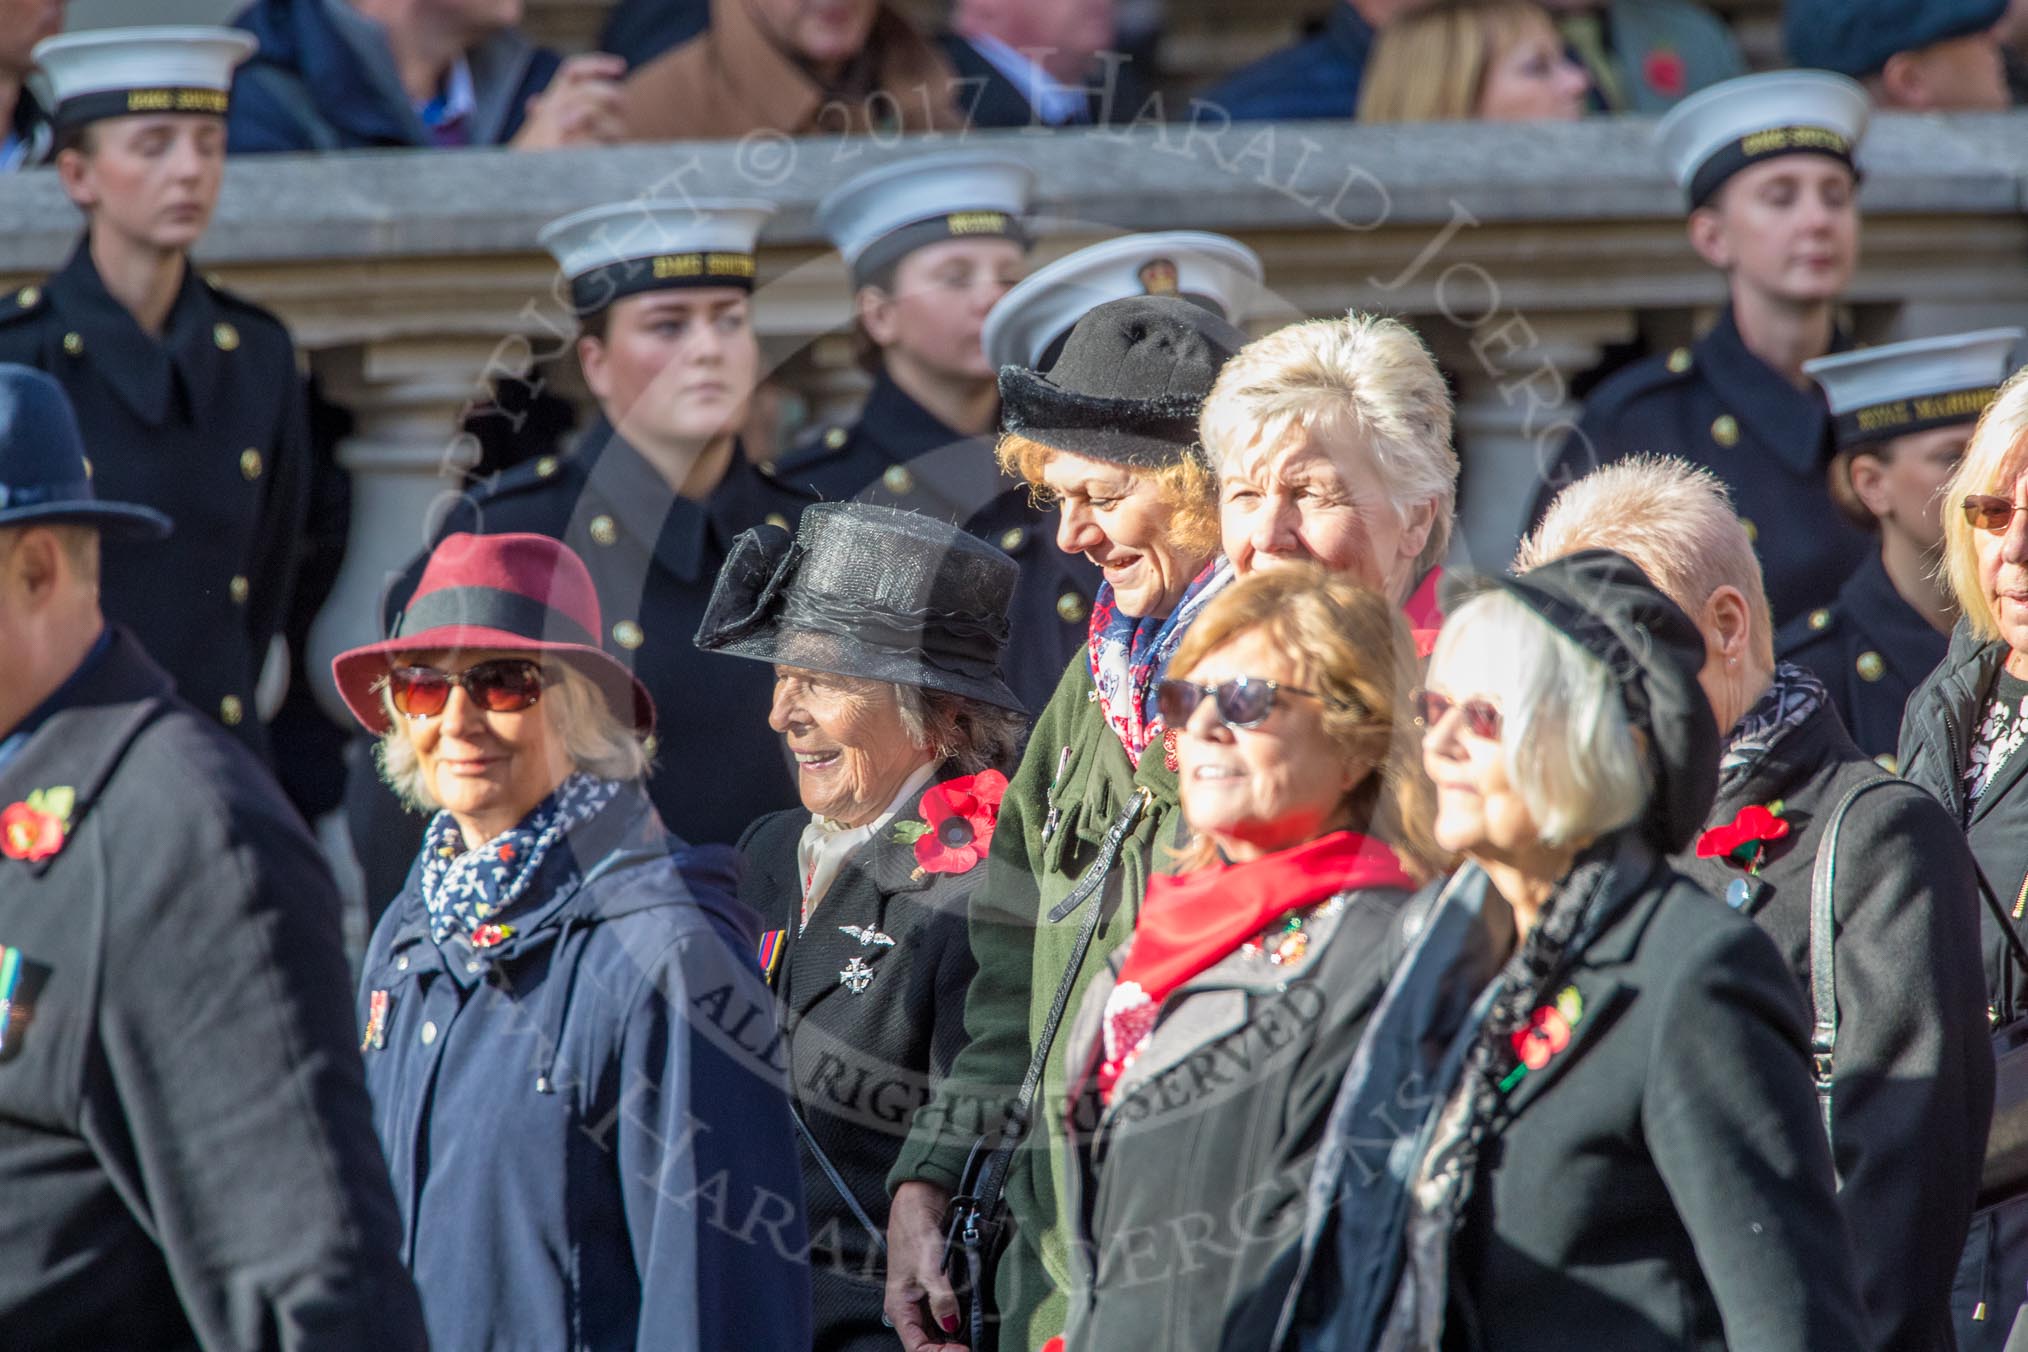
1130 655
1793 697
467 891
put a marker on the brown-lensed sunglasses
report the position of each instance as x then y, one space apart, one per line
504 685
1482 716
1985 511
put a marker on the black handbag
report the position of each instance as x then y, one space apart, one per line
977 1227
2005 1172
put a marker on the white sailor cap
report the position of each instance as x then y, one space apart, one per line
122 72
1716 132
1218 273
622 248
881 216
1881 392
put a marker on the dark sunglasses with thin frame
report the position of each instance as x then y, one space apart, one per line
1242 702
504 685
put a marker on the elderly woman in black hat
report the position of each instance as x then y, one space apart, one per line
566 1043
885 629
1610 1137
1110 431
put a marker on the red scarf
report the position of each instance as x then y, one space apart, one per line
1193 920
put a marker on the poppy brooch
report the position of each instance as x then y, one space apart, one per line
956 827
1546 1033
34 828
1743 841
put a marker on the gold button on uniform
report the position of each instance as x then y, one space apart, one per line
1013 538
1070 607
1871 667
545 467
1820 618
603 531
898 480
777 520
27 296
73 343
1679 360
250 463
1752 531
1725 430
628 635
834 439
649 746
225 335
230 711
237 588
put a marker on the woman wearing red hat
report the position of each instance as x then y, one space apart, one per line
566 1040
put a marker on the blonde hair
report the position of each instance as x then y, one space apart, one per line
1994 460
1674 520
1351 647
1185 485
1364 380
1430 65
1569 750
594 738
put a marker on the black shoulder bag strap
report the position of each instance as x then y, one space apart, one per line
837 1180
976 1214
1823 950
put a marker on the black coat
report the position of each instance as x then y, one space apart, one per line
207 424
898 455
1717 405
1912 1086
1871 649
1663 1182
860 1061
186 1148
653 557
1181 1191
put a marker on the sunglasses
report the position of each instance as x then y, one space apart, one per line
1983 511
1243 702
505 685
1482 716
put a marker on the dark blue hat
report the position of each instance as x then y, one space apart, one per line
44 477
1855 37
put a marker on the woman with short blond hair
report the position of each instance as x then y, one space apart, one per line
1910 1077
1466 60
1331 439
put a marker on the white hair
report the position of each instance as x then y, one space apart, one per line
594 738
1363 380
1570 753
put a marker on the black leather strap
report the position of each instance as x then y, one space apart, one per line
837 1180
1823 949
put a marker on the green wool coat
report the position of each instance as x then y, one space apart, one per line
1075 768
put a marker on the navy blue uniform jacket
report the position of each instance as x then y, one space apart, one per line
588 1124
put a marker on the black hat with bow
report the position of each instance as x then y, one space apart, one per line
868 591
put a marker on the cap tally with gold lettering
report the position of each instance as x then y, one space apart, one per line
880 217
624 248
1879 393
1220 274
1716 132
130 72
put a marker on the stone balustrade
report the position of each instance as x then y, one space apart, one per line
1520 252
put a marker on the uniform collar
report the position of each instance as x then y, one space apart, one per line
1791 423
62 697
141 369
1910 644
685 537
957 469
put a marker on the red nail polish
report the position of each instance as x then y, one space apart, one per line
950 1323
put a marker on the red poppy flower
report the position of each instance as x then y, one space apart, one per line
1745 838
1547 1033
1664 71
961 814
27 833
486 936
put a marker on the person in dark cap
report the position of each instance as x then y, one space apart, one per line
932 245
1613 1141
885 631
190 396
185 1140
1935 56
1767 164
658 489
1902 416
1110 431
566 1041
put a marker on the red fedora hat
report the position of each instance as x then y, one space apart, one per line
512 593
